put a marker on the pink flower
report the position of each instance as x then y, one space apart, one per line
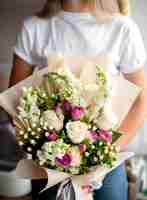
82 148
77 112
67 106
58 109
105 135
64 161
93 136
52 136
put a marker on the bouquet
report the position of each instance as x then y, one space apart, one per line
67 125
61 129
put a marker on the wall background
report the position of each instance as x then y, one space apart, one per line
11 15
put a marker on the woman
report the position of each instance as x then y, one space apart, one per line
76 31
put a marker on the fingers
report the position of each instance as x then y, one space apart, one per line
87 188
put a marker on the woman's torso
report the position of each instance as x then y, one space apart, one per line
81 34
76 34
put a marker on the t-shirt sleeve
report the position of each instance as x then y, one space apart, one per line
133 53
24 43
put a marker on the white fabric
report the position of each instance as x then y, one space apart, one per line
81 34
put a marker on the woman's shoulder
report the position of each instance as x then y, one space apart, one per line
32 22
125 23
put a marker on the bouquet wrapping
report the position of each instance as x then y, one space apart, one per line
66 121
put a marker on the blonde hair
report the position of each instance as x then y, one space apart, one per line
124 6
53 7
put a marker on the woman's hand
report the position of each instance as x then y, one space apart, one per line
87 188
91 187
93 182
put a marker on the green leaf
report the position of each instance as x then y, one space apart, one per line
116 135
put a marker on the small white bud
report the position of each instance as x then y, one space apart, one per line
41 123
41 163
87 154
101 157
25 136
33 142
112 154
21 132
89 126
21 143
29 149
100 143
95 159
34 125
51 128
106 151
29 156
24 89
110 133
29 129
108 144
38 129
111 148
94 128
45 124
33 133
46 134
43 95
45 128
117 148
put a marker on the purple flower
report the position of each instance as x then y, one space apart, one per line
57 109
93 136
67 106
77 112
105 135
52 136
64 161
82 148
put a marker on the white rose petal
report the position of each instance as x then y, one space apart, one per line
51 119
76 131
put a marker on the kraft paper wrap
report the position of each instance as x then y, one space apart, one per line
84 69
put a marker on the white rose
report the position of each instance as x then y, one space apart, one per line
76 131
53 120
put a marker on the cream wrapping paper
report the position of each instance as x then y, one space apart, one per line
26 169
83 68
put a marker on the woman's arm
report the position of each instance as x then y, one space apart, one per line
20 70
138 112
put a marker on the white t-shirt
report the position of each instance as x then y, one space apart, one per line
81 34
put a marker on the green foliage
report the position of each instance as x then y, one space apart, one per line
116 135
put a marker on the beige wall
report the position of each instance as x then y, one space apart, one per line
12 12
